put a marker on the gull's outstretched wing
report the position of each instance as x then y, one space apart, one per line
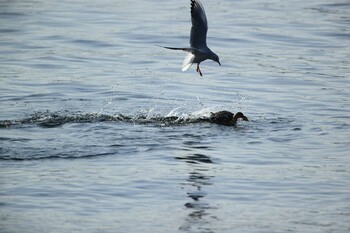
199 28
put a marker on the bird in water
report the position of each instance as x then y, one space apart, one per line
198 50
226 118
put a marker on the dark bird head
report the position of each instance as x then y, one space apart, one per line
240 115
216 58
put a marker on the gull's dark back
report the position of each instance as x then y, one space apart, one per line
198 39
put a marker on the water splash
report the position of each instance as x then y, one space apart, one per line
47 119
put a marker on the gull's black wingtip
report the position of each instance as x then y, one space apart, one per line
193 2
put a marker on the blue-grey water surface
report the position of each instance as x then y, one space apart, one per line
100 131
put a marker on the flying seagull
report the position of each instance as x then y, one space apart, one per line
198 50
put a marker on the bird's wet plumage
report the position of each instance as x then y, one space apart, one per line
226 118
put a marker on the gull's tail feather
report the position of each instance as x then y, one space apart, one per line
187 62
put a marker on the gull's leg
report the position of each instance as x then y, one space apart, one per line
199 70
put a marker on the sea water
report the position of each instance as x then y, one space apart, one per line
100 130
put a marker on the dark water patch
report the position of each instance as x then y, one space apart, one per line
47 119
195 158
53 156
8 30
14 139
333 8
339 4
11 14
89 43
